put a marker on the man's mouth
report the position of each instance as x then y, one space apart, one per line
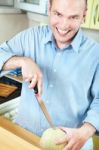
62 32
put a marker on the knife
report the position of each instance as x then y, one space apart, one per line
43 107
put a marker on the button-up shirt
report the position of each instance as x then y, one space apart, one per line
70 79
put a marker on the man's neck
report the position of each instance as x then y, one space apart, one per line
62 45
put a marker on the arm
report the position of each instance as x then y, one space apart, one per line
8 49
12 63
16 52
20 45
76 138
30 70
92 115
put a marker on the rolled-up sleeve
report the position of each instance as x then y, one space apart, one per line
13 47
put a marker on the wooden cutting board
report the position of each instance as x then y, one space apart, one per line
6 90
9 141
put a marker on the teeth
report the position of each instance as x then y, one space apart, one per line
62 31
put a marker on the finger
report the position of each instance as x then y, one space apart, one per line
63 140
64 129
33 81
39 87
77 146
39 84
67 131
28 78
69 146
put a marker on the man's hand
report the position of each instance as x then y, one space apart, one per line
77 137
32 73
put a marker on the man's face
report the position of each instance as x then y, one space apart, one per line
66 16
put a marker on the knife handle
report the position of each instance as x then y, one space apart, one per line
36 89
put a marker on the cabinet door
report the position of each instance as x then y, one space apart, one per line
6 2
95 15
96 142
89 14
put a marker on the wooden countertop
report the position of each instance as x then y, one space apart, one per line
14 137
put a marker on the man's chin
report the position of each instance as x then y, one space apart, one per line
63 40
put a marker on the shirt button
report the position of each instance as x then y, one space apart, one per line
41 129
51 85
58 54
47 102
54 70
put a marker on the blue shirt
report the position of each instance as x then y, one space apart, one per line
70 79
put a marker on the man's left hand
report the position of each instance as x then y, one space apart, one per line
77 137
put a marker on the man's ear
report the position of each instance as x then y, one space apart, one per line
84 16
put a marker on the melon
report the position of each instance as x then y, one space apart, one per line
49 138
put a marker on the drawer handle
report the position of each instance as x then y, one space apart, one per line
95 14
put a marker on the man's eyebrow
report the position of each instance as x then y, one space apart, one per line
56 11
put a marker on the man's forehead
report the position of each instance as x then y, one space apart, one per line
72 4
66 0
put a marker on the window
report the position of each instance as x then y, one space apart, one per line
38 6
6 2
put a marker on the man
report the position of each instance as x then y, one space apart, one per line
64 64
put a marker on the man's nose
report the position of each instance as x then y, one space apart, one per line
65 23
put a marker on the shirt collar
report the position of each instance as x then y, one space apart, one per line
48 37
75 43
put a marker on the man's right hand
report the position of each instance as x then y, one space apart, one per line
31 73
30 70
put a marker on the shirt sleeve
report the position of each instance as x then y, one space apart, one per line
93 112
14 47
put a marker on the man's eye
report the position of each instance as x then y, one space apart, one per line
57 14
75 17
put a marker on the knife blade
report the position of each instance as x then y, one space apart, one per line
43 107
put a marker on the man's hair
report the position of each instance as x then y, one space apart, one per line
52 0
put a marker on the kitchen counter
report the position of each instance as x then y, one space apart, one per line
15 137
24 136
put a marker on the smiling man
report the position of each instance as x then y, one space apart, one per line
65 19
64 64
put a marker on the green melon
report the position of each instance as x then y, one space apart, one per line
49 138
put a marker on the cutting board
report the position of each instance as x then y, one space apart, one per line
6 90
9 141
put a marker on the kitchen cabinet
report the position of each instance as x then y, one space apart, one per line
6 2
37 6
95 15
88 16
96 142
9 103
92 18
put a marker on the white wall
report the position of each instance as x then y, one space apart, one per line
11 24
36 19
